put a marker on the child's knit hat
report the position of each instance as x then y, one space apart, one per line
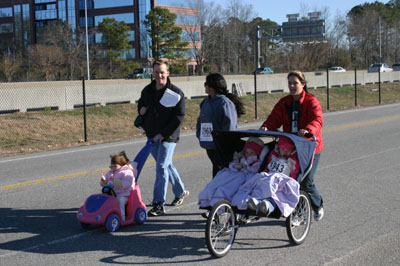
254 144
285 143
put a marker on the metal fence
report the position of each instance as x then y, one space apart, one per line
47 115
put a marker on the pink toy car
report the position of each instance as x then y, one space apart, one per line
103 209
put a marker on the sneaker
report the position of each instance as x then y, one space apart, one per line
263 208
319 214
205 215
179 200
252 204
157 210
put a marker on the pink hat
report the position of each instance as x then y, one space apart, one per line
285 143
253 146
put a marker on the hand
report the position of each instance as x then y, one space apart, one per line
158 137
103 178
302 132
143 110
238 166
264 128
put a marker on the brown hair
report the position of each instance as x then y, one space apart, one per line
119 159
298 74
160 62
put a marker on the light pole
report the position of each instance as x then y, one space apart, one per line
87 43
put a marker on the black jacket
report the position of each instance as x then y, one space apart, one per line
159 119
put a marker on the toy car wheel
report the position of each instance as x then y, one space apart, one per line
140 216
84 225
112 223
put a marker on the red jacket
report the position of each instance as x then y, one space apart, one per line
311 117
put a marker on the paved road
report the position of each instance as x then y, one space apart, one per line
358 177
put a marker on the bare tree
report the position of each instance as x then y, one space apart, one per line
47 60
9 65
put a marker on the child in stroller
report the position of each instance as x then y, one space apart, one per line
263 192
227 181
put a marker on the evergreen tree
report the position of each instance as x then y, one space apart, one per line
165 35
116 39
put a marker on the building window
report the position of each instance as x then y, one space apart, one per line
94 21
190 36
187 19
145 41
6 28
178 3
27 27
45 1
6 12
71 14
95 4
46 12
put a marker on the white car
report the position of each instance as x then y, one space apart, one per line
336 69
383 66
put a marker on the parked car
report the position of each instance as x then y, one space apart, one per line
336 69
141 73
383 67
396 66
264 70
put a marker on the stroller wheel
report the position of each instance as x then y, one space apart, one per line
221 229
298 223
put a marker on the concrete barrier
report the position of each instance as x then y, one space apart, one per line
67 95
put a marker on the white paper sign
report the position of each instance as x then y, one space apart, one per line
205 132
170 98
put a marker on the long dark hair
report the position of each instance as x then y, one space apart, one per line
217 82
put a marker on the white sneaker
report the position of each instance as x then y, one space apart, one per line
319 214
252 204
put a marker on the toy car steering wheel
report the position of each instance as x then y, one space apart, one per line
109 189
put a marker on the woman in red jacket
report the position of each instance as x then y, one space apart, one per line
301 113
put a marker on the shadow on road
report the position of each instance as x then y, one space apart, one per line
57 231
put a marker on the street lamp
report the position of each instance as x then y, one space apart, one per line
87 43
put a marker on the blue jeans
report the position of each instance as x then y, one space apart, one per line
165 171
308 185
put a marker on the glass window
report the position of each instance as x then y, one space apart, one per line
6 28
93 4
99 37
178 3
62 12
126 17
190 36
191 53
71 14
44 1
27 23
6 12
129 54
187 19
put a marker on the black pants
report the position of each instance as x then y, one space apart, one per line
216 166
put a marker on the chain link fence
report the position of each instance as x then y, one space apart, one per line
38 116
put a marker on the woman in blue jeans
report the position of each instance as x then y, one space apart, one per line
301 113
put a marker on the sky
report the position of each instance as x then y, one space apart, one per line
276 10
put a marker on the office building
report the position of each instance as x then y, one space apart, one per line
22 21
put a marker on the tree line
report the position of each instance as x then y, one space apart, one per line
368 33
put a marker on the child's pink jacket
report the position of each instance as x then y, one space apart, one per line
126 174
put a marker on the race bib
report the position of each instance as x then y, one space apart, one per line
205 132
278 165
